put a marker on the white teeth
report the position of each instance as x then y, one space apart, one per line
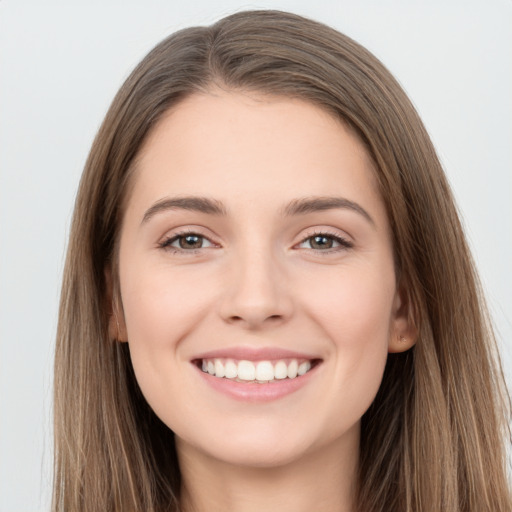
304 367
230 369
292 369
264 371
261 371
219 368
246 370
281 370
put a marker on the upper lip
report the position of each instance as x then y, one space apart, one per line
254 354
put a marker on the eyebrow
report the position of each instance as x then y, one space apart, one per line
306 205
300 206
193 203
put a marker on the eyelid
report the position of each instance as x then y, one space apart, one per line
176 237
344 241
169 238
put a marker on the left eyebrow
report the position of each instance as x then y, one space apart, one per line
306 205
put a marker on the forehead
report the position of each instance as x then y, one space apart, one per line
247 149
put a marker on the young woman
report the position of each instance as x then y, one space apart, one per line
268 300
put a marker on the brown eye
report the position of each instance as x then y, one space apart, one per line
321 242
186 242
190 242
324 241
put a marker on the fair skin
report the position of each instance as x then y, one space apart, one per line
251 276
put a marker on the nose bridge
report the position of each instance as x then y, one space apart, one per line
256 292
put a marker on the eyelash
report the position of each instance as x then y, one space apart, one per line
344 244
166 244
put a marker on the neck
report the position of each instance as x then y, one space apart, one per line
324 480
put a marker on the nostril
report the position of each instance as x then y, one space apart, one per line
270 317
255 320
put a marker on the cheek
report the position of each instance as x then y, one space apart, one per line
354 305
160 304
161 309
355 313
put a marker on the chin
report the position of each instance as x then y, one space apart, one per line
257 454
259 445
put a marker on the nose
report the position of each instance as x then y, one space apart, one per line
256 294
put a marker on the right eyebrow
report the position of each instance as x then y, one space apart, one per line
193 203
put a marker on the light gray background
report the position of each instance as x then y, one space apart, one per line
62 62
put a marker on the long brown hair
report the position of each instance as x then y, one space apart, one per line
434 437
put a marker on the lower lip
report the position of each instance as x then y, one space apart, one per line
254 391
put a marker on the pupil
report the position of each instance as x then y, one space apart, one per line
191 242
321 242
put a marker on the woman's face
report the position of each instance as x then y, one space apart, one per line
255 245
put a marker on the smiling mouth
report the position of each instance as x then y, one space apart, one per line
260 372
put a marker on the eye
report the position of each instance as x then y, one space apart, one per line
325 242
186 242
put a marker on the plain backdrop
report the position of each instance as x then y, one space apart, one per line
62 62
